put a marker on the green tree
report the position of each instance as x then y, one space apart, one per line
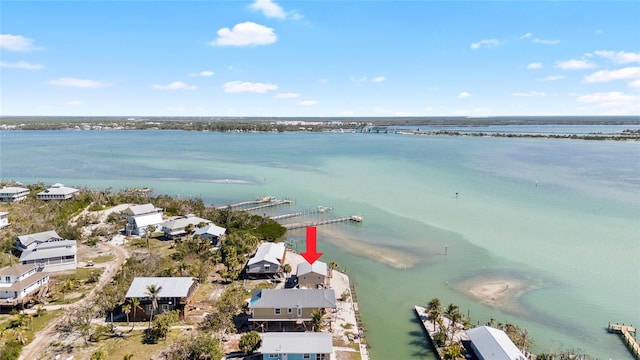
126 309
153 291
434 309
98 355
135 304
163 322
316 320
452 352
250 342
287 269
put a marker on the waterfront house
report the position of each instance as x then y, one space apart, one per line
312 276
489 343
30 241
176 228
52 256
140 217
4 219
19 282
211 232
288 308
267 260
176 294
13 193
57 192
296 346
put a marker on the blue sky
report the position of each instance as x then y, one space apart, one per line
319 58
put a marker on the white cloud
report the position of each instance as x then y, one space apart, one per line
79 83
239 86
358 79
628 73
529 94
286 95
487 43
546 42
324 81
74 102
308 103
205 73
21 65
176 85
16 43
348 112
526 36
269 9
463 95
574 65
535 65
552 78
379 79
245 34
620 57
614 99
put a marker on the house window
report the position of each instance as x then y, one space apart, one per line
299 312
306 356
7 279
277 311
267 267
289 311
273 356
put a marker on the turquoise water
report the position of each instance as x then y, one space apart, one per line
560 214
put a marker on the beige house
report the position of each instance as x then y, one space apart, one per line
312 276
280 309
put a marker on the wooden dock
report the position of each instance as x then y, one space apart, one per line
628 334
354 218
273 202
318 210
245 203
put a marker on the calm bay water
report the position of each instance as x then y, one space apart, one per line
561 214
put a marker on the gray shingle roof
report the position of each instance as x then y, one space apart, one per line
171 286
296 343
56 244
293 298
38 253
16 269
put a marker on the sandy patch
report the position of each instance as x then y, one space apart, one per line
502 293
386 255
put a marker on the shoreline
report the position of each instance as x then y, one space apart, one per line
500 292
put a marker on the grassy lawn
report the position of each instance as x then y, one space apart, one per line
131 343
102 258
204 290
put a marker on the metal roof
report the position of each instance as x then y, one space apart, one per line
296 343
293 298
494 344
145 220
56 244
27 240
59 189
318 267
212 229
37 254
183 222
271 252
142 209
13 190
171 286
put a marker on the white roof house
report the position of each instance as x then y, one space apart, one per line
52 255
141 216
57 192
172 287
141 210
176 227
4 219
493 344
267 259
13 193
296 343
293 298
312 275
211 230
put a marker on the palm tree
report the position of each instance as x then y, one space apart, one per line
316 320
452 352
286 268
150 229
153 291
434 310
453 313
135 304
126 309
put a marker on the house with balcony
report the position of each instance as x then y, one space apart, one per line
296 346
52 256
140 217
175 294
279 309
211 232
19 282
57 192
30 241
13 193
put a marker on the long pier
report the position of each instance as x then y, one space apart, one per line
626 332
354 218
272 202
265 199
318 210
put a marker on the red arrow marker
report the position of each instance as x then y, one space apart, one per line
311 255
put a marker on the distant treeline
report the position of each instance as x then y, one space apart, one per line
281 124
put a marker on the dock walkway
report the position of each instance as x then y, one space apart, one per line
627 333
354 218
